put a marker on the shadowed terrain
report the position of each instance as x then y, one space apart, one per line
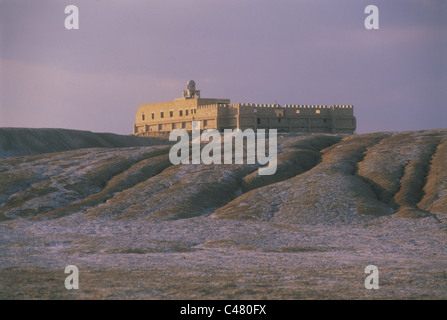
117 207
26 141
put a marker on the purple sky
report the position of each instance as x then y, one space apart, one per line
290 51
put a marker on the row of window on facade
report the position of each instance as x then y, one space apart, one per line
171 114
186 113
269 121
182 125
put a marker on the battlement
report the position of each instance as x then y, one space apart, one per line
318 106
295 106
260 105
208 106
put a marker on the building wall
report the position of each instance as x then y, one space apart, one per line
297 118
220 114
166 116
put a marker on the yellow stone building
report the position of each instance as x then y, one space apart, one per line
220 114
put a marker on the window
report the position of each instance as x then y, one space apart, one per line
317 111
183 125
180 113
142 117
192 111
160 127
171 113
162 114
298 111
153 116
205 123
186 112
258 120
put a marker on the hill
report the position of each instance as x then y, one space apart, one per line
140 227
27 141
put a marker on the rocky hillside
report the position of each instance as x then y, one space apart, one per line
320 178
139 227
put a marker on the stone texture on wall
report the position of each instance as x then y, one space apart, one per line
221 114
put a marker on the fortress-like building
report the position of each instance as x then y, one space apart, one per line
220 114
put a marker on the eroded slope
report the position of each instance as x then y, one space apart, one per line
320 179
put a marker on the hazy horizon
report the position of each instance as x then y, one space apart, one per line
289 52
